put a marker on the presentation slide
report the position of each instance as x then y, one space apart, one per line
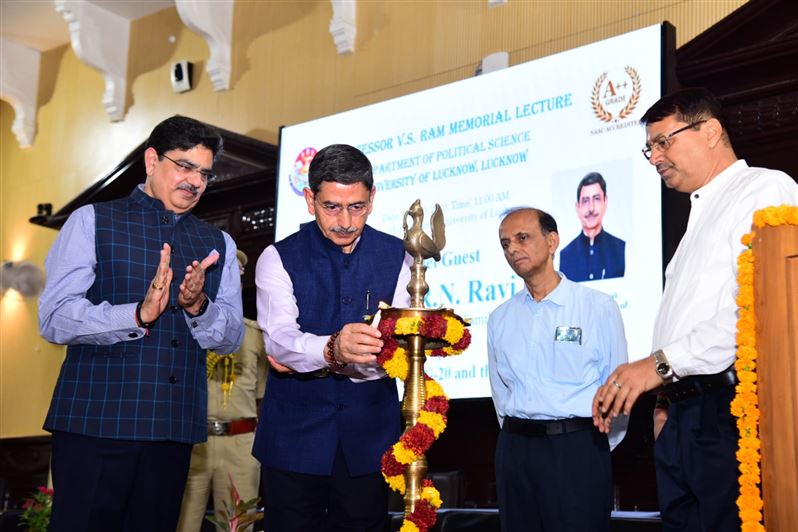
521 136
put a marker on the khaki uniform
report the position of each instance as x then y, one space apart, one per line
213 460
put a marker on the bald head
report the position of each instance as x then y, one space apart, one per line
529 239
545 220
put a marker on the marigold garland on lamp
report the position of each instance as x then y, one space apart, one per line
745 406
410 335
447 328
445 334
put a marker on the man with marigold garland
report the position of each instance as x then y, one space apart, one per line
694 334
550 347
327 420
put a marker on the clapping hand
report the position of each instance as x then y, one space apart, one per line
157 297
191 296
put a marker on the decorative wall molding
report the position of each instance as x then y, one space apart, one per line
19 86
343 26
213 21
101 40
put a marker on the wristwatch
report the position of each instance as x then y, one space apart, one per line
202 309
663 367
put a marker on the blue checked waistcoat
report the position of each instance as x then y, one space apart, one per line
303 421
153 387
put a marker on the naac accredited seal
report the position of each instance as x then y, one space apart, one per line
615 96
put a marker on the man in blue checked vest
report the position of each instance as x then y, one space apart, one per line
138 289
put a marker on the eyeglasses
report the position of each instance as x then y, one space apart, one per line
186 168
357 209
663 143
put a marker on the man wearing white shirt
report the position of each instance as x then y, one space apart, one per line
694 334
325 425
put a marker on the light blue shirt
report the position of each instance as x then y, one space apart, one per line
67 317
534 376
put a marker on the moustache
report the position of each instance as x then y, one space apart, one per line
343 230
188 187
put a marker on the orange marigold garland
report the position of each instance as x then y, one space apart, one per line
417 440
745 406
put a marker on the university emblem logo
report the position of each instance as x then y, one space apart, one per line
614 98
298 177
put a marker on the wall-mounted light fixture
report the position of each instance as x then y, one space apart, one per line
23 276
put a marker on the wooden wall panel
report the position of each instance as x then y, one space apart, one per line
776 302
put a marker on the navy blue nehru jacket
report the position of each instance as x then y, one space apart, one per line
304 420
603 259
153 388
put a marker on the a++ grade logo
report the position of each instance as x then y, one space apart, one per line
614 99
299 173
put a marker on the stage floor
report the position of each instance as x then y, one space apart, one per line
487 520
449 520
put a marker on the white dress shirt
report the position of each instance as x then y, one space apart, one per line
697 321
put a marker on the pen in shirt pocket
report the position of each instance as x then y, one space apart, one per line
368 300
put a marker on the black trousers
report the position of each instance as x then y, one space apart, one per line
104 485
554 483
695 458
296 502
